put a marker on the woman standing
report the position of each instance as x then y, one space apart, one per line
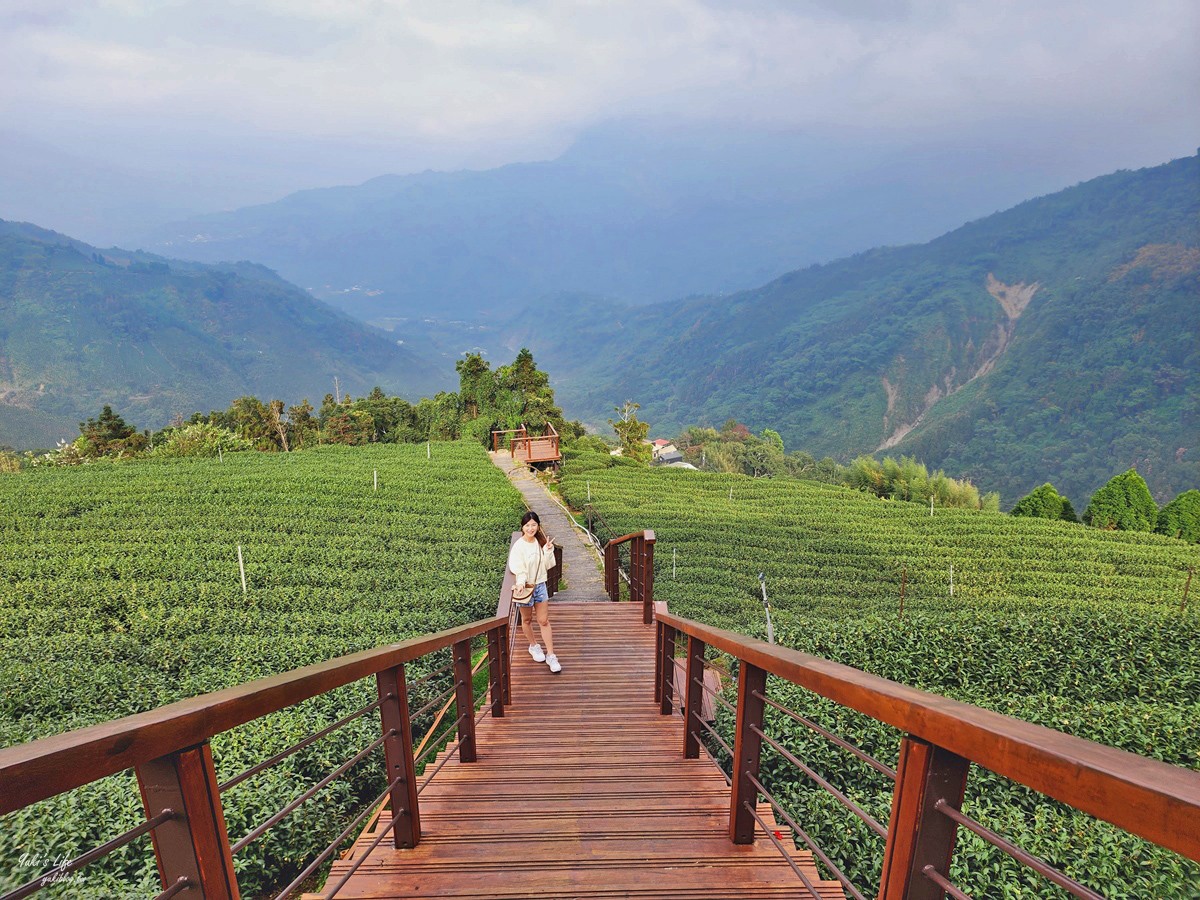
531 557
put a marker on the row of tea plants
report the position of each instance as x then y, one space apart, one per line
1080 630
120 591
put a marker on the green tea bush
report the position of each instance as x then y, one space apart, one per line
120 592
1072 628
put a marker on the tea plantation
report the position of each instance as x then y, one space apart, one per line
120 591
1069 627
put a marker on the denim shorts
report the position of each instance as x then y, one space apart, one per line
539 595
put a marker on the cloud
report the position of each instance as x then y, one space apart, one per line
472 74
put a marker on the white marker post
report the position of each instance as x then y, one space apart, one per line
376 479
428 451
242 569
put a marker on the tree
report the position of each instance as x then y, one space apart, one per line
108 435
1123 503
631 432
1181 517
477 384
303 425
1041 503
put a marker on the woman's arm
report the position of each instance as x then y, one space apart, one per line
516 564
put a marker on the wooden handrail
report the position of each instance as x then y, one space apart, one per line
641 570
43 768
1146 797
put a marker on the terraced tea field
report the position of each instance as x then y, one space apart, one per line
120 591
1058 624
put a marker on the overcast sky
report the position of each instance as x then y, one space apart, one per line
276 95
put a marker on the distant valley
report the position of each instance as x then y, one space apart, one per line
630 215
1058 340
158 338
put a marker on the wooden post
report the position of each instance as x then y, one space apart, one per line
495 673
612 581
919 835
747 749
648 578
507 662
398 756
194 844
658 661
694 692
465 697
667 673
637 548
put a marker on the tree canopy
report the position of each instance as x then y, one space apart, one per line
1123 503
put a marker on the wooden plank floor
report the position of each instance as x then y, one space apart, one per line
580 791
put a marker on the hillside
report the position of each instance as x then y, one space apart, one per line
633 213
153 337
1069 627
120 592
1059 340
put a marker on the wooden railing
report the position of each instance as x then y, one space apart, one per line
168 749
941 738
640 573
527 447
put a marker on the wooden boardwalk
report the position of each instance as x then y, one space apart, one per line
580 791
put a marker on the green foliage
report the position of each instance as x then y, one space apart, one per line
1123 503
631 432
108 435
1045 503
120 592
199 439
1181 517
157 338
843 358
1071 628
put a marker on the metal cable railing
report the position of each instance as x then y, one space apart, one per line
841 742
829 788
808 840
783 851
1040 866
308 741
59 872
287 810
337 842
181 884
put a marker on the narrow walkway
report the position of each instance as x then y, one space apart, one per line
581 565
580 792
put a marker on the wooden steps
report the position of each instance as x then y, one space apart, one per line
580 791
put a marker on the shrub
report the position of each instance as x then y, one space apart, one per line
1181 517
1124 503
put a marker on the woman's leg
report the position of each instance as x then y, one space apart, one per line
527 623
543 618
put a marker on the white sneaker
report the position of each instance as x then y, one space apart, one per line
536 651
552 661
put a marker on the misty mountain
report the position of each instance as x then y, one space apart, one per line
155 338
635 214
1059 340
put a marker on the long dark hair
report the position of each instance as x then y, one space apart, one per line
531 516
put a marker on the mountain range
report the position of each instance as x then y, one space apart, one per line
633 214
156 338
1058 340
